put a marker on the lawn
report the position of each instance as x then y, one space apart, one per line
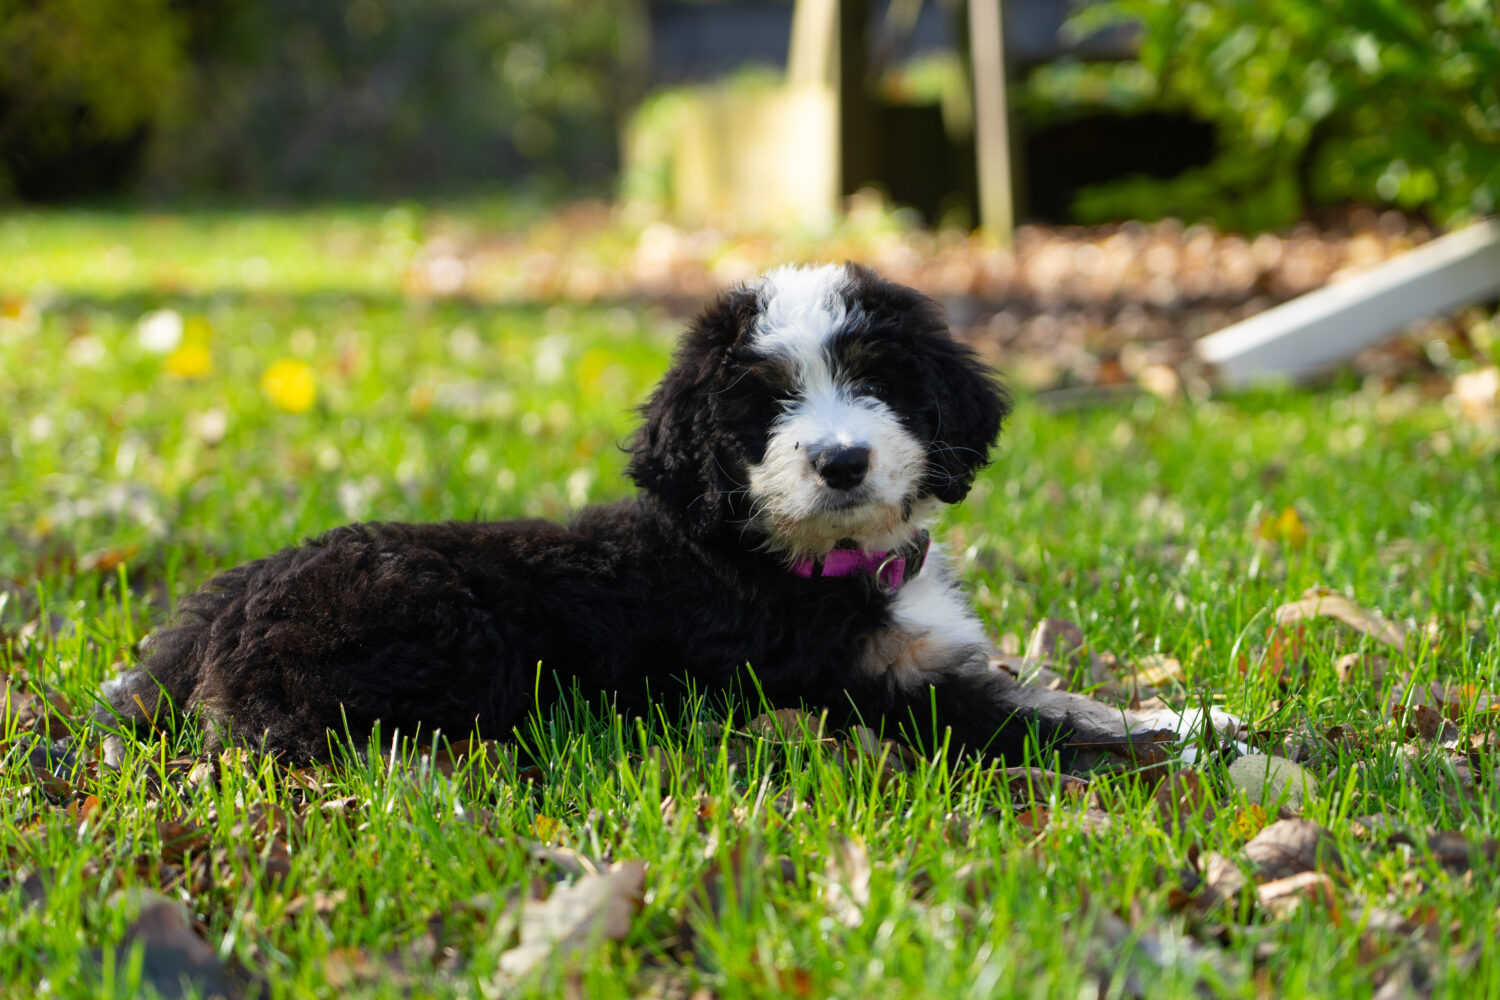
182 393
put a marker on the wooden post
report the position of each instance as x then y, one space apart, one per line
807 162
813 55
991 120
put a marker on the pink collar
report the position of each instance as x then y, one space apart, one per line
890 569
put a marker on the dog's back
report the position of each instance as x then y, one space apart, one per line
421 627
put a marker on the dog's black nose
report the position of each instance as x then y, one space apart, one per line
841 467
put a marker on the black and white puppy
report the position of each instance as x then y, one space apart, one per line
812 424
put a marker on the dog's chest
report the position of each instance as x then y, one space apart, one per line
933 630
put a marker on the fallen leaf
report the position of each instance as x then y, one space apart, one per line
1056 641
1024 783
1153 671
1286 528
178 838
1285 657
730 884
1457 854
1322 602
575 917
1361 668
1224 884
1034 820
569 861
324 904
847 882
1429 725
785 724
175 961
1282 896
1291 846
1181 799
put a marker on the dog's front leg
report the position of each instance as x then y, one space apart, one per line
932 696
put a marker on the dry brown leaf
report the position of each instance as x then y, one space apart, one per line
1152 671
847 882
1034 820
1457 854
1056 641
324 904
1281 896
1285 658
1322 602
567 860
1182 798
1023 783
576 917
732 882
1290 847
1361 668
1427 724
785 723
175 961
178 839
1224 884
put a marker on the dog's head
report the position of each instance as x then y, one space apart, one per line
817 408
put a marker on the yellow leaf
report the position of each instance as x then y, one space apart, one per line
191 360
1286 527
290 385
546 829
1248 821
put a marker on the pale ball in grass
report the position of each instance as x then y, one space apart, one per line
1271 781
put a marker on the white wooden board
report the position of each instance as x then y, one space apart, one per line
1318 330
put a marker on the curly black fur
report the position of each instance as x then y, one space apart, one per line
464 626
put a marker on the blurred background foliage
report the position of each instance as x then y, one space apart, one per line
369 98
1390 102
1312 104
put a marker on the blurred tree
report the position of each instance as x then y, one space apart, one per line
345 98
385 97
81 84
1375 100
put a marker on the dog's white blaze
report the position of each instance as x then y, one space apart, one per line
933 604
934 630
801 310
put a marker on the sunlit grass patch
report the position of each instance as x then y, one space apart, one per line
779 859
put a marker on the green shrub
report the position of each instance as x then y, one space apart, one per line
81 80
1373 100
387 97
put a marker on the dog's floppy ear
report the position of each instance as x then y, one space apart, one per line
675 454
969 406
960 403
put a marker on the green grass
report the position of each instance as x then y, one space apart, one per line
123 486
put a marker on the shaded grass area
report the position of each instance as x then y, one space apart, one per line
130 470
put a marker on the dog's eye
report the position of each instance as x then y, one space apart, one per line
869 387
